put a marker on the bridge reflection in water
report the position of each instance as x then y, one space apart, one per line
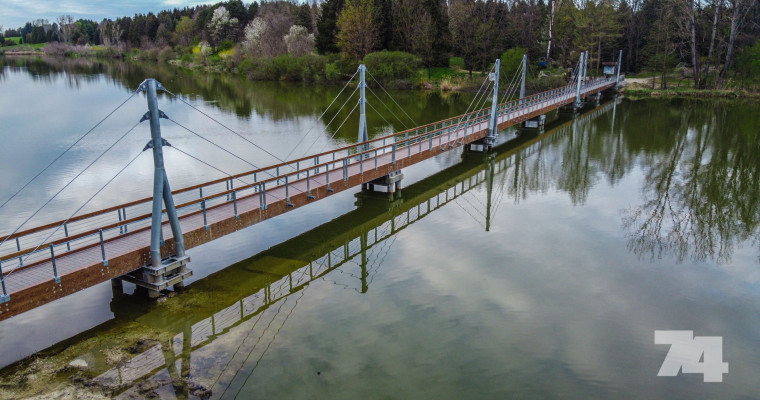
260 288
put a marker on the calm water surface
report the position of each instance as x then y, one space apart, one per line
540 271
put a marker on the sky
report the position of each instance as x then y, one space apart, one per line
15 13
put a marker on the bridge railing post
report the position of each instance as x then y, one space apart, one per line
309 196
203 210
20 258
234 204
102 247
4 296
287 192
52 261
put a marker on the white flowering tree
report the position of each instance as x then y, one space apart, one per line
252 35
299 41
222 27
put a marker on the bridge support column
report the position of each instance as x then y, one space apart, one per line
161 273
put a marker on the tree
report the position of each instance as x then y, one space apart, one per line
264 36
299 41
357 28
740 11
37 35
222 26
439 30
253 10
716 15
554 4
303 17
406 16
252 35
385 23
607 29
749 60
511 62
327 26
184 31
486 34
65 24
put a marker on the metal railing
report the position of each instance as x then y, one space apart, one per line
23 249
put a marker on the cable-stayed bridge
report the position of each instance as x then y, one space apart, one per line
144 241
358 243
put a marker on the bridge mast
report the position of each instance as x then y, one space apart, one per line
585 67
494 122
172 271
524 69
617 78
363 135
161 189
580 78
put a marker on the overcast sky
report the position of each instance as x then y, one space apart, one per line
15 13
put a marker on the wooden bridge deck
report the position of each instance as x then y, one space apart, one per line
32 285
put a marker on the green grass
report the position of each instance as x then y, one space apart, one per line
439 73
456 62
16 47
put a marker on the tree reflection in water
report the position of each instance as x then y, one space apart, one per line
701 189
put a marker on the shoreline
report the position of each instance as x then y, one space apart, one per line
689 92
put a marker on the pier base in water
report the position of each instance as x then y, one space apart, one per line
535 123
391 182
482 146
172 272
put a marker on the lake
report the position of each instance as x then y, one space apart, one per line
540 270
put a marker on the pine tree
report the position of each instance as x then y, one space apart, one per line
326 26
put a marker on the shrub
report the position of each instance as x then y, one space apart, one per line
308 68
152 54
332 72
166 54
225 45
392 66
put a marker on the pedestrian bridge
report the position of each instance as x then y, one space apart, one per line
144 241
352 246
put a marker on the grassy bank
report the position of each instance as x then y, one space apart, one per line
691 92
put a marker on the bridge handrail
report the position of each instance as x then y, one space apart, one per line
480 115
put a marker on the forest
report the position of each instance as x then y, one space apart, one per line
709 43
